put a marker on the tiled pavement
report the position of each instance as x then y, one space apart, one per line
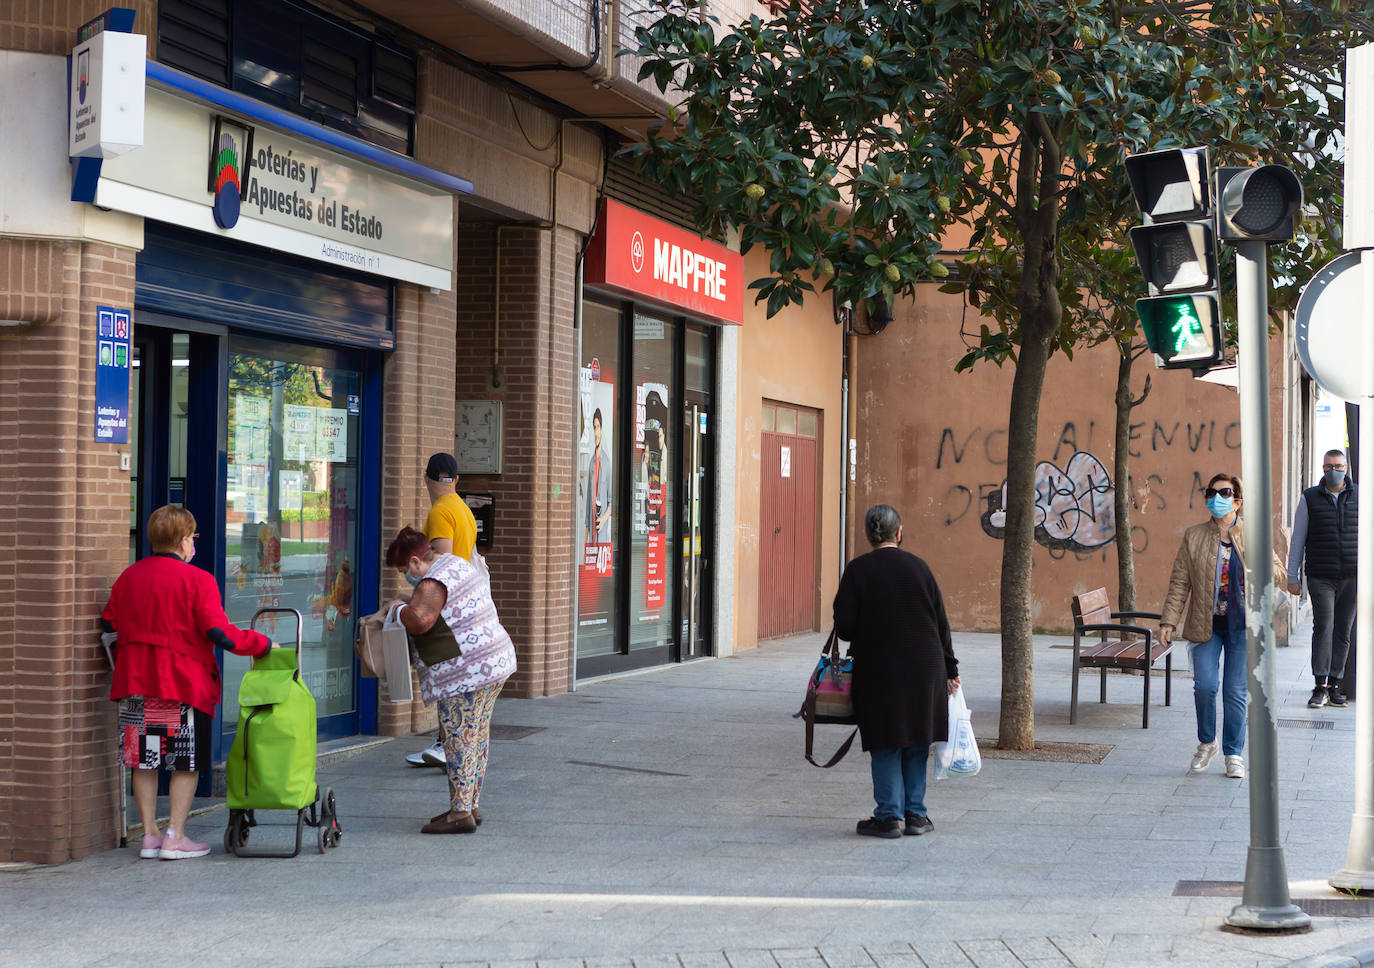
667 820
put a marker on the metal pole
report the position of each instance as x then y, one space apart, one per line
1358 873
1265 903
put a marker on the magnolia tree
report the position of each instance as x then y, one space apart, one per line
847 138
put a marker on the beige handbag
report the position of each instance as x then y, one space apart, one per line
367 645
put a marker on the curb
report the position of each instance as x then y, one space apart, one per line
1357 954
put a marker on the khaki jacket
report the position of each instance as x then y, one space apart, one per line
1194 575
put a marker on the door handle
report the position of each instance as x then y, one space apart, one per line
777 531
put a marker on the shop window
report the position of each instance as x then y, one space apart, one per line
600 451
652 528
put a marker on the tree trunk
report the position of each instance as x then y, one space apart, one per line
1016 728
1125 550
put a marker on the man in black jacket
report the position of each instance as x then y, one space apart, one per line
1325 529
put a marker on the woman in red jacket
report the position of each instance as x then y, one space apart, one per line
166 613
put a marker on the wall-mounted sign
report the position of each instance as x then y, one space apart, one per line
295 195
640 256
105 107
114 330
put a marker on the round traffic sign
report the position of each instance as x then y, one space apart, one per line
1331 336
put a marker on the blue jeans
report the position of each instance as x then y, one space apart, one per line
899 782
1207 658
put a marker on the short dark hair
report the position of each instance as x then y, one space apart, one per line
442 467
1231 479
881 523
1334 452
409 544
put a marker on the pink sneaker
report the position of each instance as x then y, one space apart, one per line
180 848
152 846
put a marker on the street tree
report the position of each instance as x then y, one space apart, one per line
848 138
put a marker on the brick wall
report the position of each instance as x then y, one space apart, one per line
530 558
50 26
64 508
417 420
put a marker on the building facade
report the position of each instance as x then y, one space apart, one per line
346 237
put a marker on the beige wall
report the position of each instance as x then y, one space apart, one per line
795 358
932 443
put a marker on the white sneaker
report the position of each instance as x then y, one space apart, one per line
1203 756
431 756
1235 767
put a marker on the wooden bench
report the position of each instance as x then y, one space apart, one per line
1119 646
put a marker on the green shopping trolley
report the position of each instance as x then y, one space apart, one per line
272 762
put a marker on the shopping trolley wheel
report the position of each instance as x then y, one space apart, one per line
236 832
329 820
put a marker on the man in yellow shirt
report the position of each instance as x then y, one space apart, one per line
451 529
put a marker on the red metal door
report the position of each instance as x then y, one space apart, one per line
788 580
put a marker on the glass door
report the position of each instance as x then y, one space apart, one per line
291 512
697 489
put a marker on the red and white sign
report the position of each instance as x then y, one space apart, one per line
646 258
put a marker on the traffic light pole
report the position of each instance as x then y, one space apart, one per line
1358 873
1265 902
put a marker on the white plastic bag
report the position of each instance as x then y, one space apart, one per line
396 655
959 756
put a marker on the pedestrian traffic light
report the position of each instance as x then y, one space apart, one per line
1258 204
1177 251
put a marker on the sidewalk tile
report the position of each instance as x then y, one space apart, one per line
1039 950
908 960
702 959
990 953
942 954
1083 950
608 963
746 958
656 961
853 956
560 963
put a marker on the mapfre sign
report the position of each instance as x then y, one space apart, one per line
646 258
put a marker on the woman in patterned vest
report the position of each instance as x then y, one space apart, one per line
463 656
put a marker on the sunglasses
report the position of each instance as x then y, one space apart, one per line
1218 492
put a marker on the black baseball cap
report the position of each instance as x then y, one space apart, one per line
442 467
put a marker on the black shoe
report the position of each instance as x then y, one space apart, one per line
1334 695
1318 699
873 827
915 826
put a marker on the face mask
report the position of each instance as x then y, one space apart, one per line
1219 506
412 579
1335 479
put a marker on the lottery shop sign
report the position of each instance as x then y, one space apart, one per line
643 257
113 333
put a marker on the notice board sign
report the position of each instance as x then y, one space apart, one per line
114 330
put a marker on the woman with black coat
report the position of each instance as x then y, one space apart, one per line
889 609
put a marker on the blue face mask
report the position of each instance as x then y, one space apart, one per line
412 579
1219 506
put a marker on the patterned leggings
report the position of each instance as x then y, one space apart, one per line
466 721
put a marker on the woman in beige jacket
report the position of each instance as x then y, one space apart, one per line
1209 575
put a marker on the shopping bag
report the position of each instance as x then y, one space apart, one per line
367 646
396 653
958 756
829 699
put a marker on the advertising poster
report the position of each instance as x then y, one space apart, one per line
596 488
298 440
651 420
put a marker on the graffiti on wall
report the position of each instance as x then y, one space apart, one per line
1075 500
1075 508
